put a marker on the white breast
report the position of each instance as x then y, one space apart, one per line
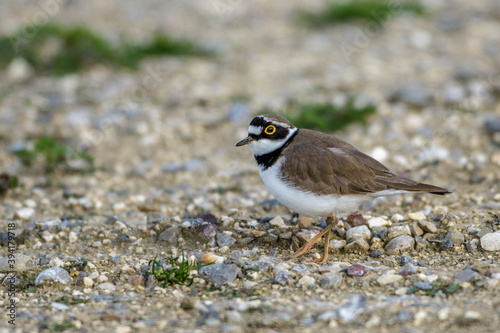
304 202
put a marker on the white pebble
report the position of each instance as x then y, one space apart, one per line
25 213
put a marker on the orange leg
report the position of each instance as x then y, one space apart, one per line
307 246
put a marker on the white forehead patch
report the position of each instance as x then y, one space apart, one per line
254 130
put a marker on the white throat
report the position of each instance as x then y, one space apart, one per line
266 146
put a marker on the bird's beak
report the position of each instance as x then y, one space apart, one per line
245 141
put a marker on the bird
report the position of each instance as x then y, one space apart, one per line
319 175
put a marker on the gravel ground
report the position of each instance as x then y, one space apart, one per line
163 140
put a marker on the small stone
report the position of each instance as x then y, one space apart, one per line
400 244
25 213
471 316
356 270
358 246
170 235
306 281
408 269
358 232
282 277
428 226
331 281
416 230
416 216
388 278
123 329
401 291
377 244
397 218
377 222
423 285
278 222
55 274
126 269
224 239
483 231
56 306
376 253
467 275
209 258
187 303
471 247
406 260
72 237
403 316
446 245
398 231
352 309
22 263
337 244
491 242
88 282
356 219
258 233
304 222
220 274
455 236
421 243
106 286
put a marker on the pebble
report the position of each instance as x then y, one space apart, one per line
420 242
22 263
455 236
211 258
107 286
427 226
278 222
55 274
306 281
447 244
471 247
356 270
282 277
467 275
171 235
123 329
224 239
358 232
72 237
25 213
415 94
377 222
397 218
491 241
423 285
358 246
400 244
408 269
331 281
88 282
56 306
220 274
416 216
388 278
398 231
352 309
337 244
415 229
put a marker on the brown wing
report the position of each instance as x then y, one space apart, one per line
335 167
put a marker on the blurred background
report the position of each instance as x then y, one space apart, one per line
129 107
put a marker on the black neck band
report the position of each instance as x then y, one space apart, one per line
267 160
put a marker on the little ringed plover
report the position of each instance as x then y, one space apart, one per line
319 175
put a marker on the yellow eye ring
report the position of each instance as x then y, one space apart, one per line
270 130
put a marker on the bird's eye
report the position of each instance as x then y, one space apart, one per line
270 130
